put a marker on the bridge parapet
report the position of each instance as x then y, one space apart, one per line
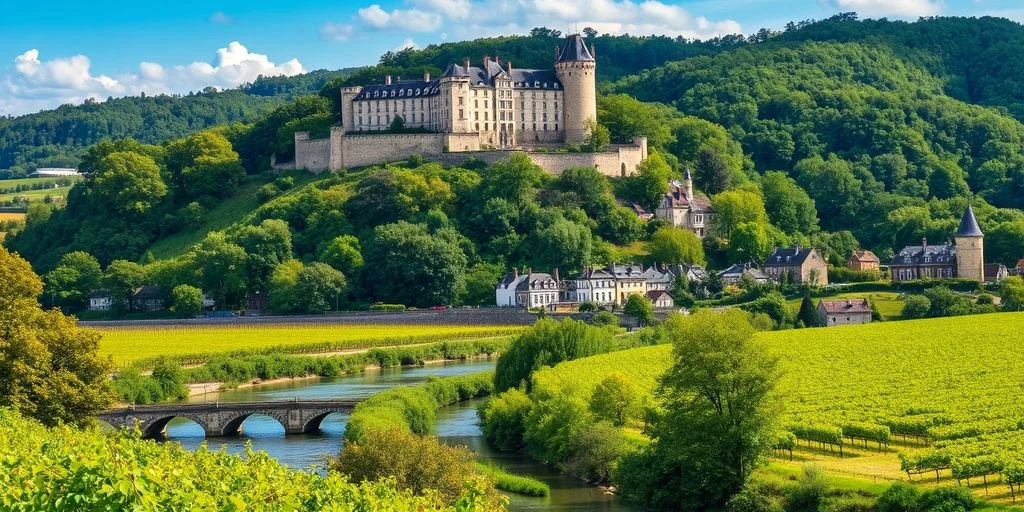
225 418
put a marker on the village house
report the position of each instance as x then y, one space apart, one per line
629 280
256 303
862 261
965 259
995 272
101 300
734 274
797 265
692 273
843 312
529 290
655 279
595 285
683 209
147 298
661 299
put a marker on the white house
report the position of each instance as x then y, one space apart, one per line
655 279
661 299
530 290
100 300
682 208
595 285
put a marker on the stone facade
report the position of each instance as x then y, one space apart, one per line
488 111
682 208
863 261
843 312
965 260
970 248
797 265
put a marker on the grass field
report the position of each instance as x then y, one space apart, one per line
957 382
195 344
32 195
11 216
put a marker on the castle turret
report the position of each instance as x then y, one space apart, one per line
970 248
348 95
575 68
688 185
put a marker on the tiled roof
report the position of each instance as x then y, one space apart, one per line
574 50
914 255
865 256
788 256
676 198
845 306
654 295
969 225
594 273
537 281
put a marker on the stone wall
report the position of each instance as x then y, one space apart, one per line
363 150
312 154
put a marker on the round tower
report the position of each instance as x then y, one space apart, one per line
575 68
970 248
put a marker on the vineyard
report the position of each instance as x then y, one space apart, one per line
196 344
71 469
944 392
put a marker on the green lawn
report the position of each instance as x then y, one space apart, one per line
888 303
36 195
4 184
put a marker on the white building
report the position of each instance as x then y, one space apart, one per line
682 208
54 172
595 285
100 301
530 290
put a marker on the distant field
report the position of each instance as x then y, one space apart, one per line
11 216
193 344
955 383
37 195
25 181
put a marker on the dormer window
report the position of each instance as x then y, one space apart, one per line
408 92
376 93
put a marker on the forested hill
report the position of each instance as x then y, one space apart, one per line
58 137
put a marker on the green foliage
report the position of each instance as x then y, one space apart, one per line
123 472
788 206
616 399
899 497
916 306
413 266
650 183
70 283
672 246
317 284
703 451
640 308
808 314
344 254
735 207
121 278
478 287
547 343
1013 294
186 300
518 484
597 137
128 182
502 419
50 369
775 305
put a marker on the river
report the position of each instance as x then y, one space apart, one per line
456 424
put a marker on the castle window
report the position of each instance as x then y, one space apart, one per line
476 104
556 127
461 115
545 116
476 116
522 127
545 127
460 101
522 105
486 114
544 105
375 93
360 119
486 127
477 127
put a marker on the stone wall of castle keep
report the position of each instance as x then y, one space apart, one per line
341 151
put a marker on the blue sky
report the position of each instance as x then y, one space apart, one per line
71 51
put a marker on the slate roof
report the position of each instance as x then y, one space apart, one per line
789 256
995 271
574 50
594 273
969 225
629 271
537 281
400 90
654 295
739 269
845 306
100 294
147 292
914 255
694 272
676 198
653 275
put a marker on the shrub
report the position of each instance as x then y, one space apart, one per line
605 318
594 451
511 482
380 306
502 419
548 343
810 491
408 409
916 306
899 497
753 498
946 499
267 192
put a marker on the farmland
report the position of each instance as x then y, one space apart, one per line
195 344
944 392
35 189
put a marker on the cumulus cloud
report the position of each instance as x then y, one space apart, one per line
897 8
483 18
38 83
408 43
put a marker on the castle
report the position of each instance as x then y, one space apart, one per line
486 112
965 259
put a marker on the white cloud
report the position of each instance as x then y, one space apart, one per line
408 43
220 17
37 84
337 31
401 19
897 8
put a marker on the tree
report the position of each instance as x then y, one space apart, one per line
639 307
412 266
50 369
478 287
750 241
265 246
650 183
616 399
501 419
672 246
548 343
121 278
788 206
344 254
128 182
597 137
283 294
562 244
186 300
735 207
712 174
222 268
319 285
390 195
1013 294
808 315
621 226
916 306
719 416
203 164
75 277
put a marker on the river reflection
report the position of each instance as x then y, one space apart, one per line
456 424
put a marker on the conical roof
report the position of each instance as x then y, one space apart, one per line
968 225
574 50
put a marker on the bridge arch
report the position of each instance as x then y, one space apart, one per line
232 427
158 427
312 425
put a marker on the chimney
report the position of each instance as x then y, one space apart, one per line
465 64
387 80
924 245
486 58
508 64
555 274
426 76
515 273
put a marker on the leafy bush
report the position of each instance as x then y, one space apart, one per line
387 307
548 343
502 419
511 482
946 499
899 497
916 306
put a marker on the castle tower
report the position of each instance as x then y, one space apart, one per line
348 95
970 248
575 68
688 185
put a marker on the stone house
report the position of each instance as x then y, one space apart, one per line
995 272
595 285
682 208
148 298
843 312
661 299
629 280
965 259
530 290
861 261
797 265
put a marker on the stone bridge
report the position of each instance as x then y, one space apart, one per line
224 419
